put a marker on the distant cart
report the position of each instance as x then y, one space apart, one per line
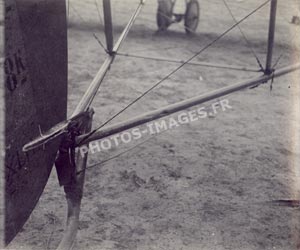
165 15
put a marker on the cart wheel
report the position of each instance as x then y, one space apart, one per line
164 14
191 16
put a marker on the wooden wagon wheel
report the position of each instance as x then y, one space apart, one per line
164 14
192 14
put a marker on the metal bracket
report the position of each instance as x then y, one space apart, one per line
65 161
68 164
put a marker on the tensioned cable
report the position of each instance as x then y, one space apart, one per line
175 70
117 155
190 63
290 40
169 18
158 49
116 47
77 13
136 146
83 20
278 60
98 164
98 10
281 55
212 66
163 14
244 36
141 50
99 41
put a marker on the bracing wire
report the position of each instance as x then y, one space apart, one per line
158 59
83 20
98 164
98 11
158 49
99 41
175 70
244 36
191 63
116 156
282 54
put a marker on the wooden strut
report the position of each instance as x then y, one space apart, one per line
108 26
89 95
94 86
173 108
271 37
73 187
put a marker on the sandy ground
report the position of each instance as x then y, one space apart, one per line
205 185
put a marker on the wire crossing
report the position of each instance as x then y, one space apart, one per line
175 70
244 36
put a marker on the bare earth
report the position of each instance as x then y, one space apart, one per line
206 185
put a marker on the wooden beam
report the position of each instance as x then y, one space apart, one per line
108 28
74 191
129 25
94 86
173 108
272 25
89 95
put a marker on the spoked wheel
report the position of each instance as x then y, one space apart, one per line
192 16
164 14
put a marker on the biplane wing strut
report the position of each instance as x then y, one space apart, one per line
108 28
271 37
84 114
269 74
94 86
173 108
89 95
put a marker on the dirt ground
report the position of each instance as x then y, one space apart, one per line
205 185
